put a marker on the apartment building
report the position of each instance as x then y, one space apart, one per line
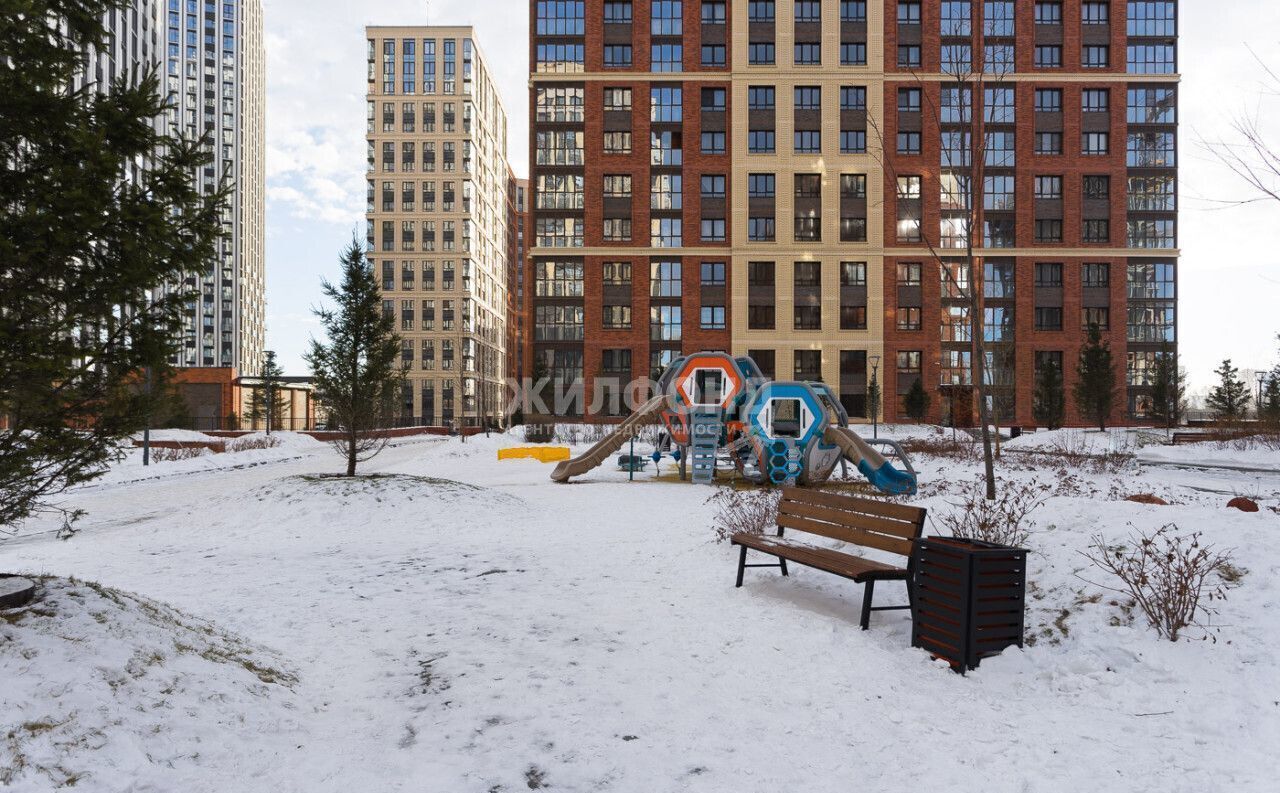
437 217
518 222
813 190
215 75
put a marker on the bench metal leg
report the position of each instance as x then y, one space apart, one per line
867 593
742 563
783 564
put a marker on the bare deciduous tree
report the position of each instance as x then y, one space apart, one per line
1253 155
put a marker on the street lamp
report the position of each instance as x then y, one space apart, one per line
875 396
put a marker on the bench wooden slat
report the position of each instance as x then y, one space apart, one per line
885 509
858 525
845 534
831 561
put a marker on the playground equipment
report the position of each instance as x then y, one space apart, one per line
782 433
546 454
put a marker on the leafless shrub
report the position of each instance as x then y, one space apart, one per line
167 455
250 443
1168 575
1001 520
966 450
747 511
1267 440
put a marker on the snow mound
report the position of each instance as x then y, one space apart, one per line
327 492
111 691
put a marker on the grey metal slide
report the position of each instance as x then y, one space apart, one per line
597 454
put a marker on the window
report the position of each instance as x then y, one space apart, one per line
664 279
713 185
1096 275
667 18
560 17
760 229
559 232
908 56
853 141
1095 143
760 11
1096 316
1048 56
808 53
808 11
1049 187
997 193
1151 105
1048 100
1096 231
852 11
558 279
853 54
1049 12
713 100
909 365
551 323
664 323
807 317
712 318
761 185
1151 18
808 97
853 229
1152 234
713 273
666 57
908 100
617 273
808 141
1095 13
853 273
761 141
760 54
1150 150
557 58
808 275
555 191
957 105
909 273
998 233
617 56
853 185
956 18
853 97
617 143
1048 318
957 58
761 97
1048 230
557 148
1095 56
713 13
712 230
998 105
666 103
616 318
1000 149
666 232
665 148
808 185
1151 281
616 360
997 18
617 12
998 59
909 318
1152 194
714 55
617 229
617 185
808 228
908 12
1048 274
1097 187
808 365
1095 100
559 104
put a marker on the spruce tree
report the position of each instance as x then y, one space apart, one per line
916 402
1050 406
1095 388
1168 392
269 401
87 241
1270 408
1230 397
358 374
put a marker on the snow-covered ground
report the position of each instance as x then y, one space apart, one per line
461 624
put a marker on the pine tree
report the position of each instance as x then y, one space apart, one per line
1230 398
269 401
1271 400
916 402
358 374
83 252
1050 406
1168 389
1095 388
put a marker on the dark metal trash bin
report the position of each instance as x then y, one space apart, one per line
969 599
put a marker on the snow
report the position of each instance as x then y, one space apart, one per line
462 624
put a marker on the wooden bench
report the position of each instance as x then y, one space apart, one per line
858 521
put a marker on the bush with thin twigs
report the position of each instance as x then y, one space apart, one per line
167 455
966 450
1171 577
1266 440
251 443
746 511
1002 520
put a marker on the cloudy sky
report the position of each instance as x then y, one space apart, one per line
1230 279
